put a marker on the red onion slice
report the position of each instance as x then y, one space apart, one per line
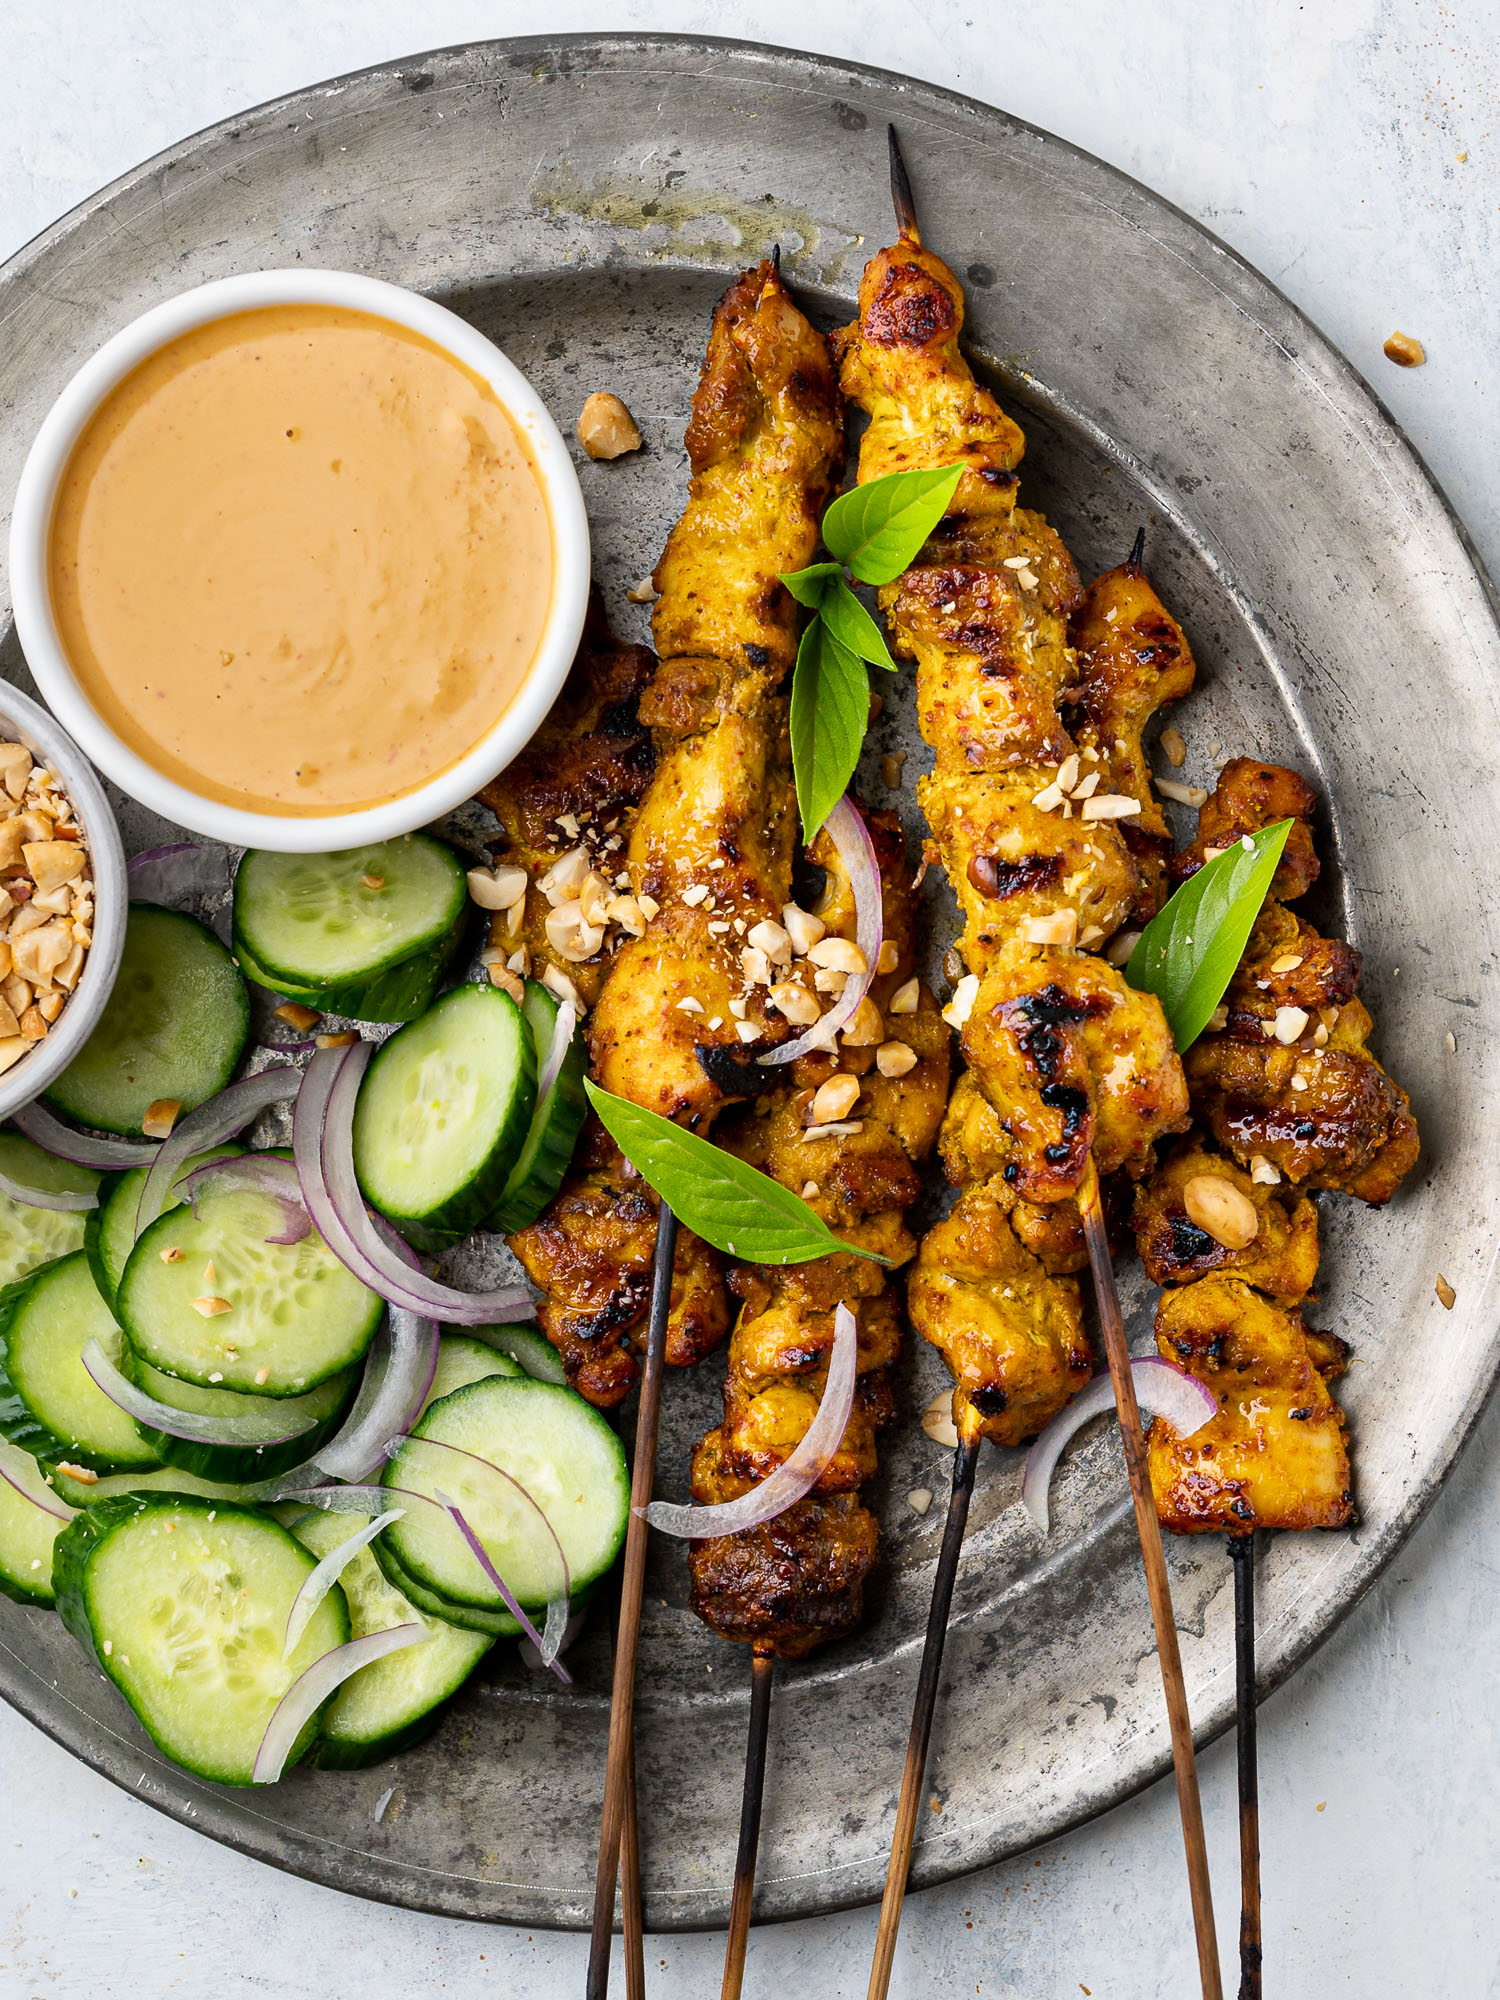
255 1427
548 1642
323 1147
20 1470
223 1116
322 1579
403 1360
311 1689
531 1656
563 1030
173 875
798 1474
83 1149
1161 1390
65 1201
265 1174
850 835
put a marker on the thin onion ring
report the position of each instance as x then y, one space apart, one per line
64 1201
314 1685
850 835
321 1580
223 1116
1161 1390
255 1428
20 1470
82 1148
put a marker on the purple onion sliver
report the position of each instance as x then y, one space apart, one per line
173 875
797 1475
563 1030
320 1581
223 1116
83 1149
1161 1390
255 1428
311 1689
68 1202
546 1644
265 1174
20 1470
403 1361
850 835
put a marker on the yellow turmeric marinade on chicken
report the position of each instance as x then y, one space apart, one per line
1064 1059
1292 1101
845 1127
707 855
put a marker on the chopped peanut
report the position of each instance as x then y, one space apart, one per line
161 1117
1221 1210
895 1059
905 998
834 1099
295 1015
866 1029
606 429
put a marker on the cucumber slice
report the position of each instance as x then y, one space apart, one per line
184 1605
526 1344
49 1404
27 1535
31 1236
555 1124
163 1479
233 1463
312 927
296 1315
552 1443
500 1624
462 1360
442 1112
174 1026
110 1236
396 1702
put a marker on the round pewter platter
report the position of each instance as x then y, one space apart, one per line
584 201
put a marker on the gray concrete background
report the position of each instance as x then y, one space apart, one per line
1348 148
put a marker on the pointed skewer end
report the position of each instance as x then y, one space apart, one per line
1137 548
902 199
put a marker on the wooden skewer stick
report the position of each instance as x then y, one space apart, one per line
1189 1805
902 199
965 1461
1242 1554
619 1766
762 1674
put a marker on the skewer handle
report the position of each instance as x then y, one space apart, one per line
1242 1554
632 1586
762 1675
965 1461
1153 1558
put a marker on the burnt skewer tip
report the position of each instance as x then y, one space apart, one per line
776 258
1137 548
1242 1554
902 199
763 1671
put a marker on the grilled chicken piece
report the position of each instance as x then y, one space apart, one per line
1132 657
797 1582
1274 1456
1283 1257
591 760
1066 1058
711 844
1247 798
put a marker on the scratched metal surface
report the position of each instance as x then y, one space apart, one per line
584 202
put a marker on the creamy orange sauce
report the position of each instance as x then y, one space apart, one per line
301 560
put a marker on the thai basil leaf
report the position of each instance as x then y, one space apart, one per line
738 1210
878 529
830 715
810 586
1188 952
853 627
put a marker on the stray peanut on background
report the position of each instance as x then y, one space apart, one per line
606 429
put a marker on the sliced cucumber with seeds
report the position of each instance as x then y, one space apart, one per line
442 1113
49 1404
209 1298
501 1624
555 1123
462 1360
184 1605
110 1236
174 1026
27 1535
31 1236
322 1409
555 1446
367 933
397 1701
527 1345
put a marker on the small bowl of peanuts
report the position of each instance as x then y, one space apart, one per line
62 900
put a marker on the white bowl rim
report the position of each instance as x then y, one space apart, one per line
31 525
45 736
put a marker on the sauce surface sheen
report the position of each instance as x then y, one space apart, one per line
301 560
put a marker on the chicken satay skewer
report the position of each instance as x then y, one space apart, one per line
964 415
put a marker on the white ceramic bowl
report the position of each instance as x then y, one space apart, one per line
32 518
21 720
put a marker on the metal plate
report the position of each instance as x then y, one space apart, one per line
584 201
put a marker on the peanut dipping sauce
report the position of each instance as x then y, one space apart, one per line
301 560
